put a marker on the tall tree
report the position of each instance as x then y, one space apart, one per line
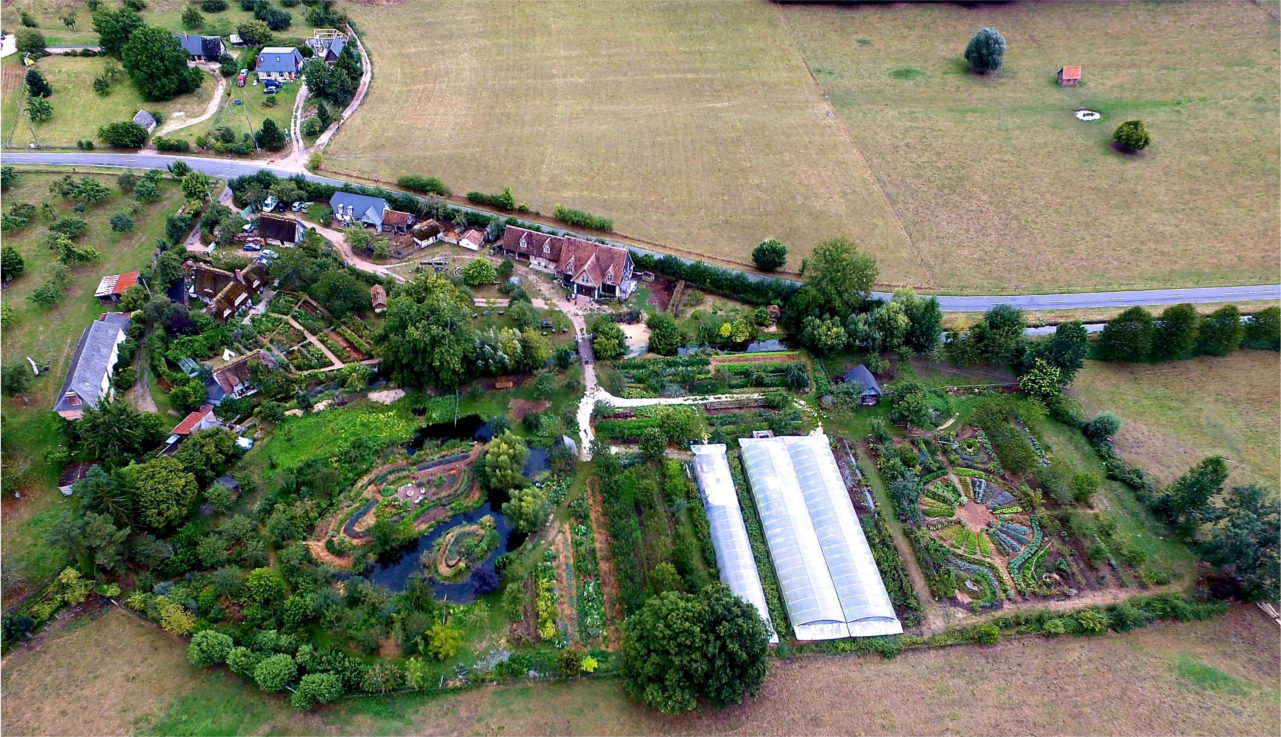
105 542
1221 331
1067 349
206 453
1246 543
925 316
157 64
1186 504
114 431
427 338
270 136
101 492
341 293
114 28
839 280
504 460
1127 337
1174 333
37 86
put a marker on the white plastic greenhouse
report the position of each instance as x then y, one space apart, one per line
828 577
729 535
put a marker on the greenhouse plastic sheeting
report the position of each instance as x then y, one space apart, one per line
734 556
829 579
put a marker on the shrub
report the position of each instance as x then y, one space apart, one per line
121 222
479 271
986 50
171 144
1132 135
429 185
1092 621
123 135
988 633
770 255
275 672
209 647
583 219
1102 427
504 201
316 688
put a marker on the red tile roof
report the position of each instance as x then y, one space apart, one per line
1071 72
190 421
597 263
397 218
378 296
116 284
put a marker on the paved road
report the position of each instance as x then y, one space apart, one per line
1082 300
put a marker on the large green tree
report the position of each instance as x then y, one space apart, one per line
1246 543
1186 504
504 461
910 403
114 28
427 339
157 64
114 431
1174 333
100 491
528 507
206 453
925 319
664 334
1067 349
608 341
1127 337
998 337
839 280
163 490
770 255
341 293
682 647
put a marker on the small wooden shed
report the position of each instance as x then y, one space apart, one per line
1069 76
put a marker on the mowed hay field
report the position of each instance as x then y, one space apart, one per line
1176 413
1002 190
692 124
116 675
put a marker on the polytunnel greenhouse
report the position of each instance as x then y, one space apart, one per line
828 577
729 535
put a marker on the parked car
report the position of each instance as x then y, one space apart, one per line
269 89
270 253
270 203
249 228
253 247
240 81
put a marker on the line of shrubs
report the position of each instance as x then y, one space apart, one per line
731 283
427 185
583 219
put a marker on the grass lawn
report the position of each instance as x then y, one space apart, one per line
78 111
240 118
1001 189
50 337
692 124
1202 677
1174 414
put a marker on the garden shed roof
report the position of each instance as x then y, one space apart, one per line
734 557
829 579
864 378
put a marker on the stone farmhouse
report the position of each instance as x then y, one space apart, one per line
587 268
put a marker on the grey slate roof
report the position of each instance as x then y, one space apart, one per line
89 365
144 119
279 59
864 377
200 45
336 47
362 207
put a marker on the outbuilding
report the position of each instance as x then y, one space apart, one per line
1069 76
871 391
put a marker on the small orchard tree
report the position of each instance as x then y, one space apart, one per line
986 50
121 223
11 263
192 19
1132 136
39 110
770 255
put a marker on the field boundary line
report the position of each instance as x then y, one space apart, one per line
877 182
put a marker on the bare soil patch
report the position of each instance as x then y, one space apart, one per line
519 407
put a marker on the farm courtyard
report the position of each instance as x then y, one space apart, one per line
708 127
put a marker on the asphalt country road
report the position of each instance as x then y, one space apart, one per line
227 168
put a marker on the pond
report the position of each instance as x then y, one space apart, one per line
470 427
393 568
539 462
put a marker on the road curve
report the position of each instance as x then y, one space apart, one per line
1042 302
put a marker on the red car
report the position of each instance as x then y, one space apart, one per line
240 81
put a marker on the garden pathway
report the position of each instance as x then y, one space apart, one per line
211 109
336 237
366 76
334 363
